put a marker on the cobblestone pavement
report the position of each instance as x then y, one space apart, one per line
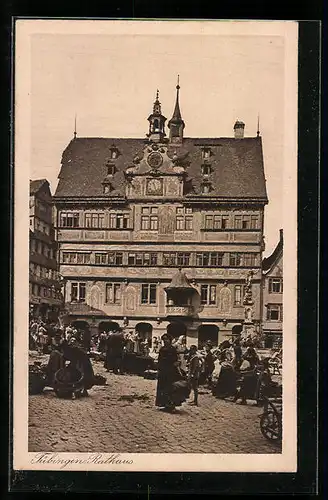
121 417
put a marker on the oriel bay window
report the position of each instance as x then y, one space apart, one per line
69 219
95 220
208 294
113 293
184 219
149 218
176 259
148 293
216 222
78 292
142 259
119 221
204 259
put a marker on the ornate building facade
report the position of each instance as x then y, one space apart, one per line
273 296
162 233
45 288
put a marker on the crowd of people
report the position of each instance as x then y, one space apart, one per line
233 370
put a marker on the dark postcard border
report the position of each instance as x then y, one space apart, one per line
304 481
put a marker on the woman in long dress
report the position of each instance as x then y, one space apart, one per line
181 347
169 394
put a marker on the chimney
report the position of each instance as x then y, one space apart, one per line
239 128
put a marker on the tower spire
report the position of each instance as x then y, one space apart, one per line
176 124
156 121
258 125
75 133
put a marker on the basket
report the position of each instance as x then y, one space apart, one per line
67 381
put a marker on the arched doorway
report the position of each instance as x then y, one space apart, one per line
236 330
176 329
144 330
108 326
208 333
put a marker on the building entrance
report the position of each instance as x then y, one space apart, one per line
208 333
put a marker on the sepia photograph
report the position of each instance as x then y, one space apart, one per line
155 245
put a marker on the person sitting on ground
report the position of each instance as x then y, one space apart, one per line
194 369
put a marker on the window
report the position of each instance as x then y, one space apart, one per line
148 293
176 259
113 293
254 222
149 218
239 295
142 259
206 169
95 220
206 188
115 258
274 312
206 153
118 221
78 292
69 219
235 259
101 258
243 259
204 259
75 258
208 294
184 219
246 222
275 285
110 169
216 222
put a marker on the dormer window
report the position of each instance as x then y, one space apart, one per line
110 169
206 170
206 153
107 187
206 188
114 152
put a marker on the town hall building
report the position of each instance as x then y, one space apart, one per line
163 233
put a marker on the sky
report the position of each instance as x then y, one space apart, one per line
109 82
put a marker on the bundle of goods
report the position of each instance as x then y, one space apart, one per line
69 382
150 374
36 378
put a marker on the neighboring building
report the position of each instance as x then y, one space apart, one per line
45 288
160 233
273 296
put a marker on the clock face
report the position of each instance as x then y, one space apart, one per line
155 186
155 160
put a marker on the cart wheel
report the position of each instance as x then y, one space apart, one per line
271 426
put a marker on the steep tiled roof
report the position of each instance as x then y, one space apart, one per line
35 185
236 166
277 252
